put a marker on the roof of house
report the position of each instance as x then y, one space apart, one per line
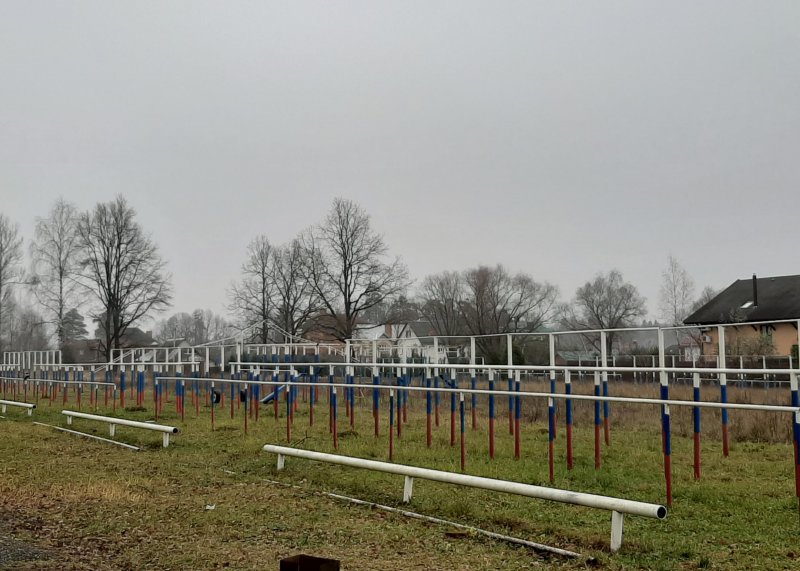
423 329
370 332
135 337
778 298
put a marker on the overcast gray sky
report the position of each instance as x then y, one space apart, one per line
558 138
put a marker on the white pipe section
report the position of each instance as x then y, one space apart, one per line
561 396
583 368
121 421
17 403
7 403
56 382
565 496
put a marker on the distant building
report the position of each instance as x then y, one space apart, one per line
90 350
757 304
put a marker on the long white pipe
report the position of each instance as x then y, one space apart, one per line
56 382
542 368
6 403
17 403
565 496
122 421
561 396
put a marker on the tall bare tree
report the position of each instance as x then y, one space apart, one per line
606 302
10 269
349 267
209 326
177 326
497 302
121 268
252 298
297 300
677 293
705 296
196 328
441 296
55 253
27 328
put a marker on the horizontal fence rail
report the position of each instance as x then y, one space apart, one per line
7 403
114 422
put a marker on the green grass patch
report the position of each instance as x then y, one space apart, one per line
100 507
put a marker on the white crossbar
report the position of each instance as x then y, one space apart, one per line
617 506
6 403
114 422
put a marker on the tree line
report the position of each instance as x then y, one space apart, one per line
100 259
329 281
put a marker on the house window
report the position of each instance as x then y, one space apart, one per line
767 330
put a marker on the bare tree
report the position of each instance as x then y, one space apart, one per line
606 302
348 267
121 268
177 326
441 296
199 327
705 296
677 293
27 329
297 300
252 298
209 326
496 302
55 254
10 270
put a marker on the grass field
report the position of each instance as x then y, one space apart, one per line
94 506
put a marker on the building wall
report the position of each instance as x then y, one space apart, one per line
784 337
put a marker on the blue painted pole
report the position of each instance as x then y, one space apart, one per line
667 454
428 411
723 397
796 430
391 425
122 388
351 380
436 399
551 426
606 413
568 390
453 413
597 422
491 415
517 418
510 405
474 403
463 430
696 422
376 403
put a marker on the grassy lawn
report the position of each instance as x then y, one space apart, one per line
94 506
